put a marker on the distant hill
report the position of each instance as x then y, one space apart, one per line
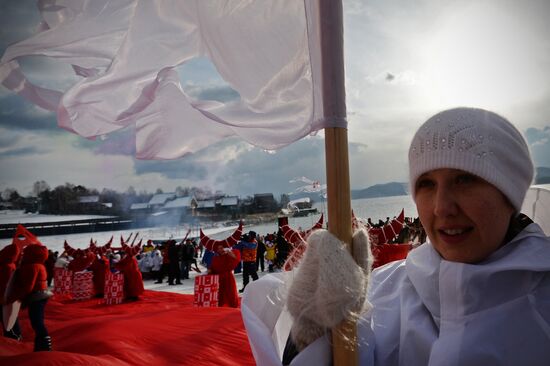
381 190
542 175
377 190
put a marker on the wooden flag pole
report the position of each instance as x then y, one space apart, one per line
344 337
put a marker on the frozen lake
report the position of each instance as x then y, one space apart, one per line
376 208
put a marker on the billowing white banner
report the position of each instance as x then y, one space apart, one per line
126 51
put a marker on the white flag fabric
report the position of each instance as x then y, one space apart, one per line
126 52
311 186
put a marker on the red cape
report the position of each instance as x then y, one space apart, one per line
133 282
31 275
100 267
161 329
224 266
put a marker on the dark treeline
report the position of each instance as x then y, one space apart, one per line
71 199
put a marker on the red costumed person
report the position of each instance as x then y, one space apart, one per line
9 256
100 267
30 288
223 264
133 282
82 259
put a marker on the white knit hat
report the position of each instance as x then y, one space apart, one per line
476 141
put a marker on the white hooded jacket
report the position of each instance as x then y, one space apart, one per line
156 260
429 311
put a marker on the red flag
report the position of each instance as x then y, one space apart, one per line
24 237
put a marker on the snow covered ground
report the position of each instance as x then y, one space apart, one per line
19 216
82 240
187 286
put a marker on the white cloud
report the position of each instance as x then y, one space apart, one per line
59 161
491 54
48 73
407 77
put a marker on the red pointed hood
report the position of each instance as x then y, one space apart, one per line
9 254
24 237
34 253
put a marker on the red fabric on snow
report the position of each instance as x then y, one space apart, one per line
161 329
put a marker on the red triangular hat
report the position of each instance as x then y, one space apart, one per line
24 237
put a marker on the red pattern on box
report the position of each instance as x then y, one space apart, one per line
114 288
62 281
83 287
206 291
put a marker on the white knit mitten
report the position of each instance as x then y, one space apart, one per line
328 286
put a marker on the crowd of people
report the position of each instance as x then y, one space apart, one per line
169 259
173 261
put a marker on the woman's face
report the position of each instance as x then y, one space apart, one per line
465 217
219 249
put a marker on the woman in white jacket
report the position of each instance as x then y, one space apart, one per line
156 260
477 293
156 265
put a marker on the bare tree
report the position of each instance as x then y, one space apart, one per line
39 186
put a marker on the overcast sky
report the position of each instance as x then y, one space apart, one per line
405 60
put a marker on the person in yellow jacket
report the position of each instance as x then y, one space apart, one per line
270 251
